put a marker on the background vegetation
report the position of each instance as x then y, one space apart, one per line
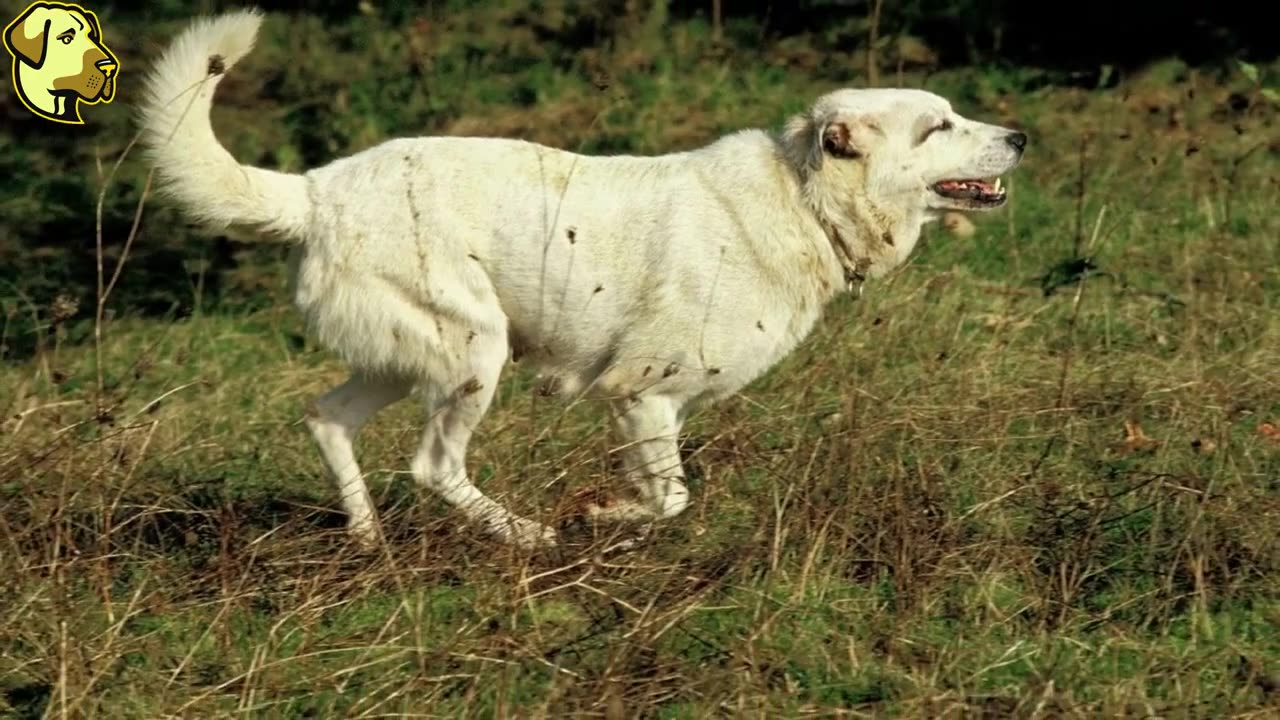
1036 473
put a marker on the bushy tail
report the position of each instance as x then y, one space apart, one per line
191 165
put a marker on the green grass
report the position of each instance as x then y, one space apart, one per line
929 510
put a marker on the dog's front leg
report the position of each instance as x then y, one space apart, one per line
649 428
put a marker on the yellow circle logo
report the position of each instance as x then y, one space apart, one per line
60 60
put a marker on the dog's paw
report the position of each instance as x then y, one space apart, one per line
366 536
525 533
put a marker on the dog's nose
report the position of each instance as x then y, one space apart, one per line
108 67
1018 140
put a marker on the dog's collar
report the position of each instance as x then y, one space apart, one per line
855 269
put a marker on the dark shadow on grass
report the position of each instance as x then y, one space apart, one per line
29 701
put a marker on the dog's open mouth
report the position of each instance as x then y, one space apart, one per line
972 193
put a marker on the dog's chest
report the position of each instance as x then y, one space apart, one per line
699 355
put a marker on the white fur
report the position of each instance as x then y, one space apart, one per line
654 283
188 158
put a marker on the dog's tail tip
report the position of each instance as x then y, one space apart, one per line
232 35
206 49
178 138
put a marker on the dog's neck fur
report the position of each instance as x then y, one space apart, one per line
869 239
855 264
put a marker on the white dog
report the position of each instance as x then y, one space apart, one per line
658 284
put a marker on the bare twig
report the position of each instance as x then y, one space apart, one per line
1082 178
1076 304
101 295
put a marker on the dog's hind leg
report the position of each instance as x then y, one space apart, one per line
334 420
649 429
455 410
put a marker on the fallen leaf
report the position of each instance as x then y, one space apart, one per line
1135 440
1270 432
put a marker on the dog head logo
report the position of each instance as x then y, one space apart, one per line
59 60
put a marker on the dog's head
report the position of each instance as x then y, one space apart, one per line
889 160
62 44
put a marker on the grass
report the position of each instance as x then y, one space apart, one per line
938 507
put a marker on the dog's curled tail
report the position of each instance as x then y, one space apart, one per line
191 165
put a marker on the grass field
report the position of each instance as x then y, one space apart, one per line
1035 473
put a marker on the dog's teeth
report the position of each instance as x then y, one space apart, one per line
997 184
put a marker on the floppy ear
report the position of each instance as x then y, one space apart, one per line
799 144
96 32
837 141
29 34
848 138
810 140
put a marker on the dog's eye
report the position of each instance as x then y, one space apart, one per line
65 37
940 127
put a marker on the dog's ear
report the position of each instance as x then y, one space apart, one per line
837 141
96 32
28 36
809 140
848 138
